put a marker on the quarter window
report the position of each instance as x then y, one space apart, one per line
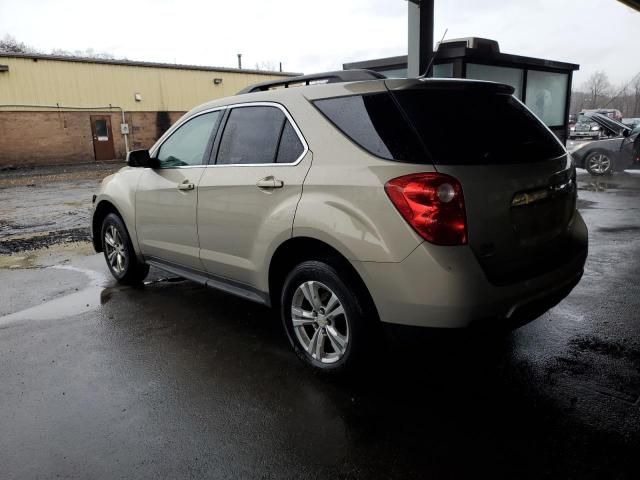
375 123
252 136
290 147
188 144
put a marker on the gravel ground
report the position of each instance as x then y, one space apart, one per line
47 206
37 176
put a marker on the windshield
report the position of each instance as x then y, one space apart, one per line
582 118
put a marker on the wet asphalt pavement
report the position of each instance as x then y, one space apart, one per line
171 380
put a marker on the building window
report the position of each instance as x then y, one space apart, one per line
102 132
510 76
547 96
443 70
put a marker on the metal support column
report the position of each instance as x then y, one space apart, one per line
420 41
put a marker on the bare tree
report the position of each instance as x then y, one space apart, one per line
598 86
266 66
635 88
88 53
9 44
578 101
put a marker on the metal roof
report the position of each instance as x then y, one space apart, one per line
134 63
449 54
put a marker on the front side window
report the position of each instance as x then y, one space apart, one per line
251 135
188 144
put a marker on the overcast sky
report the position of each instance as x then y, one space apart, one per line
315 36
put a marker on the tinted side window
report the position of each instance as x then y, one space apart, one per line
376 124
251 135
187 145
290 147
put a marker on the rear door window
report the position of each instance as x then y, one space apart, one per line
251 135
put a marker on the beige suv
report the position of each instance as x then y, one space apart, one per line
353 201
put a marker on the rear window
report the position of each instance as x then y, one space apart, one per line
477 127
443 126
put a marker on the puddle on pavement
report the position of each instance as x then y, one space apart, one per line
598 186
165 279
585 204
87 299
620 229
45 257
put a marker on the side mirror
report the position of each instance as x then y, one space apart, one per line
141 158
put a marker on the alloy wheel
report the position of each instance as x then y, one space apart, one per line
320 322
115 250
599 163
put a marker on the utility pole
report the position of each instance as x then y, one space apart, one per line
420 41
240 61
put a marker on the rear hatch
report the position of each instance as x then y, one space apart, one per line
517 180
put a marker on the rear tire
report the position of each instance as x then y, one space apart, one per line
119 253
328 325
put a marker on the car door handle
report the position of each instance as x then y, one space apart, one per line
186 186
270 182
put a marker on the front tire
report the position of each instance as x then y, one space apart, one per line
325 321
599 163
119 253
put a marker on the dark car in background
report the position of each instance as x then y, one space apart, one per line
573 118
585 127
615 152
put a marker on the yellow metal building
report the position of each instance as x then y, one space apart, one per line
57 109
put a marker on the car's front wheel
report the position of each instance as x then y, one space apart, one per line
118 252
325 319
599 163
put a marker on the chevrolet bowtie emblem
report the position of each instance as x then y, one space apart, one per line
520 199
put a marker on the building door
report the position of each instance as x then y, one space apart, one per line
102 137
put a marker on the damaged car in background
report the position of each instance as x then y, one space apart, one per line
616 152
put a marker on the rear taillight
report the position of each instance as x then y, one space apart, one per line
433 204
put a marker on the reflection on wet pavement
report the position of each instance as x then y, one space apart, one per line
174 380
68 305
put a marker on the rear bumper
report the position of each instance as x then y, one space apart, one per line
445 287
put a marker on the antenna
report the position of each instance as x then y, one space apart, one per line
433 57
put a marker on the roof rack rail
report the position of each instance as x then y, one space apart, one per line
338 76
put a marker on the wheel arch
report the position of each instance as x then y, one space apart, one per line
103 208
299 249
